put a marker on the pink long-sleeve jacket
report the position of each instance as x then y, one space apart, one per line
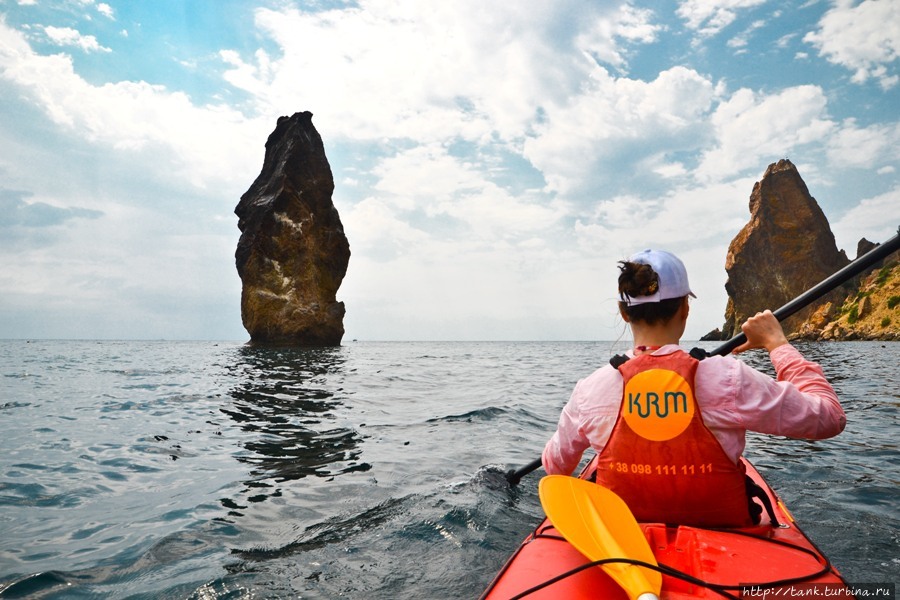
733 398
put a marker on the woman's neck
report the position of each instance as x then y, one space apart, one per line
660 334
654 336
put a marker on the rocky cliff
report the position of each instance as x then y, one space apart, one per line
785 249
292 254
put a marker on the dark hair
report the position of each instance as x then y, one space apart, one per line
636 280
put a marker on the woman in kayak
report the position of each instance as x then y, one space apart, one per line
668 427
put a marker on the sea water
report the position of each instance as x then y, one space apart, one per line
372 470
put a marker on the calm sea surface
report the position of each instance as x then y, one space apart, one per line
374 470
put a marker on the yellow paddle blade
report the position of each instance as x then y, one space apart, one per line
600 525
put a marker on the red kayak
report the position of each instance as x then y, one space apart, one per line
763 561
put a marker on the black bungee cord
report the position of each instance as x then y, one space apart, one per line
719 588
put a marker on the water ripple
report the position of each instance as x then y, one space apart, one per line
201 470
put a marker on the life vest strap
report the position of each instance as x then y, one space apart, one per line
620 359
754 491
699 353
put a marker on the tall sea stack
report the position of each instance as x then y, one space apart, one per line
785 249
292 255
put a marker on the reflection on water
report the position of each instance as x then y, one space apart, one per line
287 397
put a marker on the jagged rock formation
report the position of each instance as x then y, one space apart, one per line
785 249
292 255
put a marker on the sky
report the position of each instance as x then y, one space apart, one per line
492 160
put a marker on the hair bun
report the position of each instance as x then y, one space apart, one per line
637 279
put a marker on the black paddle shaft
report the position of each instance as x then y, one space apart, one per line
859 265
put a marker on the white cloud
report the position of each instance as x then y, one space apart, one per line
492 213
143 272
864 38
425 189
106 10
602 41
629 222
740 41
466 296
425 175
102 7
66 36
752 128
864 146
709 17
431 71
785 40
142 156
669 170
205 145
377 230
406 282
579 144
873 218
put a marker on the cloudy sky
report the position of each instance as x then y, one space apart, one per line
493 160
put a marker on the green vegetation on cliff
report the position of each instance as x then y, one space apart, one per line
872 312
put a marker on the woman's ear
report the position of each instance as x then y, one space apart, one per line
624 314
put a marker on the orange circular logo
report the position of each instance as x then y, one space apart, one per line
658 404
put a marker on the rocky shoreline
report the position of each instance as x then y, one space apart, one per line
872 313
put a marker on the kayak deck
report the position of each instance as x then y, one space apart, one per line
745 559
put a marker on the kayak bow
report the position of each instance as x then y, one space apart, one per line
692 562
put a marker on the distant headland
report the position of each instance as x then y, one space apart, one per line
786 248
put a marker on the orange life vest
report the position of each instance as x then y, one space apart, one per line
660 457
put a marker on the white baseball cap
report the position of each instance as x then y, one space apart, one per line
673 279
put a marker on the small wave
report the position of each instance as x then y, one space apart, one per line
333 531
22 375
126 464
12 405
38 585
89 531
482 414
494 477
37 495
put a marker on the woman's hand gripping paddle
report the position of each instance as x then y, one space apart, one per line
600 525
